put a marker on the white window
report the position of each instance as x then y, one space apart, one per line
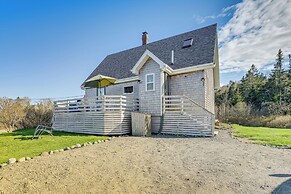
150 82
128 90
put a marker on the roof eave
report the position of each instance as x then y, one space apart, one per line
143 59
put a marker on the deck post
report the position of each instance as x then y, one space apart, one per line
182 104
103 107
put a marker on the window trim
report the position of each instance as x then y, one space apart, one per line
146 84
128 86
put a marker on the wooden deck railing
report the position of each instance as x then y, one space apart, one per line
99 103
182 115
184 104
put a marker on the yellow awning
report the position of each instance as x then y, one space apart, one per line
99 81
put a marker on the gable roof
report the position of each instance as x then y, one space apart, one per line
118 65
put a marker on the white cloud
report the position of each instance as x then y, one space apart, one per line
224 12
254 34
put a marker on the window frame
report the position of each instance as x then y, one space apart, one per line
126 87
153 82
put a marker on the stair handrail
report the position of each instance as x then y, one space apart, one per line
192 101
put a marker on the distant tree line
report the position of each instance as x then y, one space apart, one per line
257 94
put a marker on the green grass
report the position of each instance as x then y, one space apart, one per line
264 135
20 143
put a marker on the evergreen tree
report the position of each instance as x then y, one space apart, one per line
262 95
276 81
288 88
251 87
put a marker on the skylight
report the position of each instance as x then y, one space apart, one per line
188 43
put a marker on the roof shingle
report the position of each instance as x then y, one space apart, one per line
119 64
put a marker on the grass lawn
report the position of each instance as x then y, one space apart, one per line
264 135
19 143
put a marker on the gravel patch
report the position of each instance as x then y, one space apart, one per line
158 164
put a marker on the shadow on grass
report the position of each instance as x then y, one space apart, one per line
27 134
283 188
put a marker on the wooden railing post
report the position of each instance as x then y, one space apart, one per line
182 104
103 106
68 105
163 104
120 101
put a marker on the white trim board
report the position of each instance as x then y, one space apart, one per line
128 79
143 59
128 93
146 82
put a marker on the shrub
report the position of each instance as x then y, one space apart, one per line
12 112
19 113
280 122
38 113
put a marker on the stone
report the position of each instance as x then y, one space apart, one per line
78 145
27 158
11 160
99 141
61 150
2 165
56 151
21 159
73 147
67 148
51 152
89 143
84 144
95 142
44 154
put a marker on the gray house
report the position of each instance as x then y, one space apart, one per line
173 79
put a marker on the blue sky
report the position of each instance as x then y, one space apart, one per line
49 47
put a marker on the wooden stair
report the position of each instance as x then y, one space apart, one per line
184 117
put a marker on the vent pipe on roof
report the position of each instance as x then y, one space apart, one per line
172 58
145 38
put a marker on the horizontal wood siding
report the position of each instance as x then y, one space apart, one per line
179 123
79 122
99 123
104 115
183 116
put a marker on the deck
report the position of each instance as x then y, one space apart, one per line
111 115
104 115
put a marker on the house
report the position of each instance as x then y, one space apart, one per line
173 79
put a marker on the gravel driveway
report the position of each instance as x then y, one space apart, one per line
155 165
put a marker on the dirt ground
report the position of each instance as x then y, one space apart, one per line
157 164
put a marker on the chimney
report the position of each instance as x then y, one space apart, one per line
145 38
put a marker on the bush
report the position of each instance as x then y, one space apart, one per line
12 112
38 113
280 122
19 113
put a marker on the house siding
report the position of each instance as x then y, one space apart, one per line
90 92
209 90
189 85
151 101
117 89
